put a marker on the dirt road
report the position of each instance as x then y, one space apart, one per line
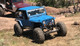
6 23
72 38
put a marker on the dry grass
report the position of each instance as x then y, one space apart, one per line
72 38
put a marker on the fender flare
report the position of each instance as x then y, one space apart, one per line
20 23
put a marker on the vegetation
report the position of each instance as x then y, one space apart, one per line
57 3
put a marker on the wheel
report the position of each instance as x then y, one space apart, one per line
38 35
62 29
1 12
18 30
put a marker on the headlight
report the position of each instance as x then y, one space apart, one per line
44 22
52 20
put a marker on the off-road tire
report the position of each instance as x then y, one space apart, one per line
38 35
62 29
18 30
1 12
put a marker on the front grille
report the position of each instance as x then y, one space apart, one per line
48 21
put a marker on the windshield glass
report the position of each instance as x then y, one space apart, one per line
16 0
36 11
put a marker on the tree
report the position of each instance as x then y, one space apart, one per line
55 3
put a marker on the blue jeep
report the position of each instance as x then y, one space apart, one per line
36 19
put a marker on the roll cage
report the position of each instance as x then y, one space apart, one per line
22 14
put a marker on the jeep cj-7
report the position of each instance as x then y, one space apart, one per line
11 6
36 19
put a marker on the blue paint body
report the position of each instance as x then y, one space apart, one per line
30 8
39 18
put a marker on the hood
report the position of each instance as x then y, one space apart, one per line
21 5
41 18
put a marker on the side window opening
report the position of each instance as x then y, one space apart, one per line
24 15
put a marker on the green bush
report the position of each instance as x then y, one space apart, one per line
55 3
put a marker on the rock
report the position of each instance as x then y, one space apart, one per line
75 23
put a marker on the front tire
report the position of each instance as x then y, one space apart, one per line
1 12
18 30
62 29
38 35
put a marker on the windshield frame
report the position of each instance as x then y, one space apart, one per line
36 14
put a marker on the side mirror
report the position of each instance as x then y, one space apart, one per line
18 14
43 6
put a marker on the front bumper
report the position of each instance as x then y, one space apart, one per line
51 31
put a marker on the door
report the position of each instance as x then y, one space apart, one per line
25 20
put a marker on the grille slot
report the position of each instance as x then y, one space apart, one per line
48 21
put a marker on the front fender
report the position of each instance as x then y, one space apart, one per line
20 23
